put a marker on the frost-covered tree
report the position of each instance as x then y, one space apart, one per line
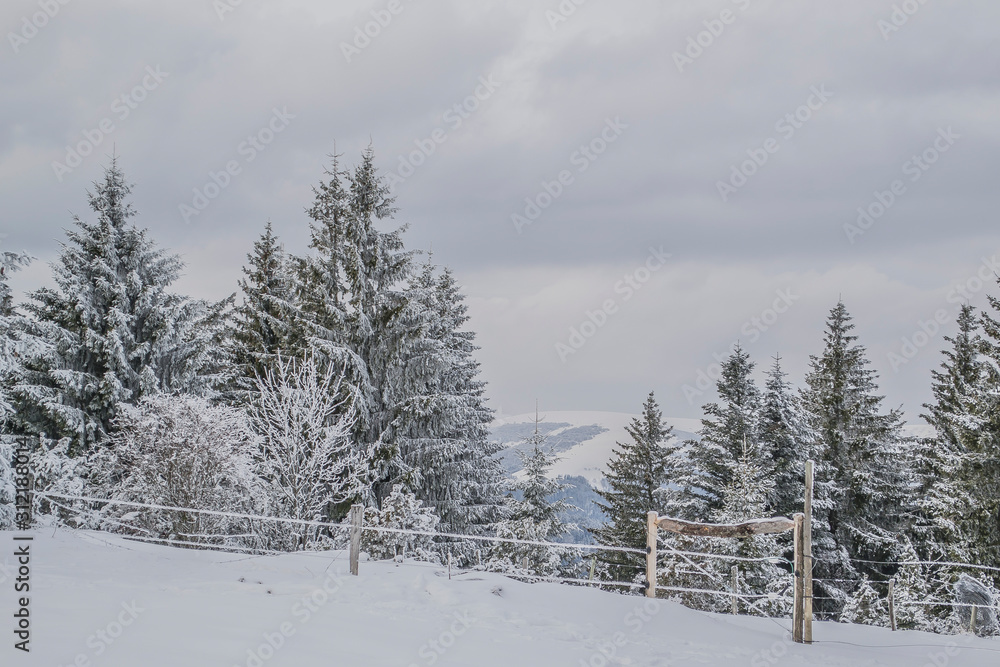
441 421
302 412
865 606
977 421
785 438
114 333
944 496
352 294
401 510
638 476
178 451
264 324
535 516
13 345
727 429
863 478
911 586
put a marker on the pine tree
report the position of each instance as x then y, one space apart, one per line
352 297
862 476
536 516
865 606
978 428
786 440
637 476
943 496
726 430
441 421
746 497
12 340
265 323
113 332
401 510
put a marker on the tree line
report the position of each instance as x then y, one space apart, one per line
347 375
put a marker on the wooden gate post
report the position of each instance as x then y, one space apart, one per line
798 608
357 517
807 556
651 528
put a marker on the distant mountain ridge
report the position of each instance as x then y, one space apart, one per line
584 441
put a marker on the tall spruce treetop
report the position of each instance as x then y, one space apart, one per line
944 462
727 429
637 476
114 331
352 294
264 324
863 476
978 422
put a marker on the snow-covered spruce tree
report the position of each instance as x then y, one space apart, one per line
12 349
943 498
866 606
303 413
746 497
637 476
787 439
113 331
12 344
863 475
978 420
264 324
727 430
352 295
440 419
536 516
178 451
401 510
911 586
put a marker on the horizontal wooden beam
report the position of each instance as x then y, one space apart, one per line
778 524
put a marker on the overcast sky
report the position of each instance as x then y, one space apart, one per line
647 112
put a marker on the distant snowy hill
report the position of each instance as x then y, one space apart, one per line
583 440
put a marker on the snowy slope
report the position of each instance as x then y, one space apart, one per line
583 440
195 608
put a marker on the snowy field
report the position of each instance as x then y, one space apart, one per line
104 601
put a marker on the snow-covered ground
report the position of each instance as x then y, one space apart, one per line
104 601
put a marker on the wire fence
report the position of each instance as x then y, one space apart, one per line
752 600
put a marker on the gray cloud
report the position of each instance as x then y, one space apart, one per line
657 184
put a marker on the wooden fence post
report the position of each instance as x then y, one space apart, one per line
972 620
651 529
798 608
357 517
593 566
736 589
807 555
892 605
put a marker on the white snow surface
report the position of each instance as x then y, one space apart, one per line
194 608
